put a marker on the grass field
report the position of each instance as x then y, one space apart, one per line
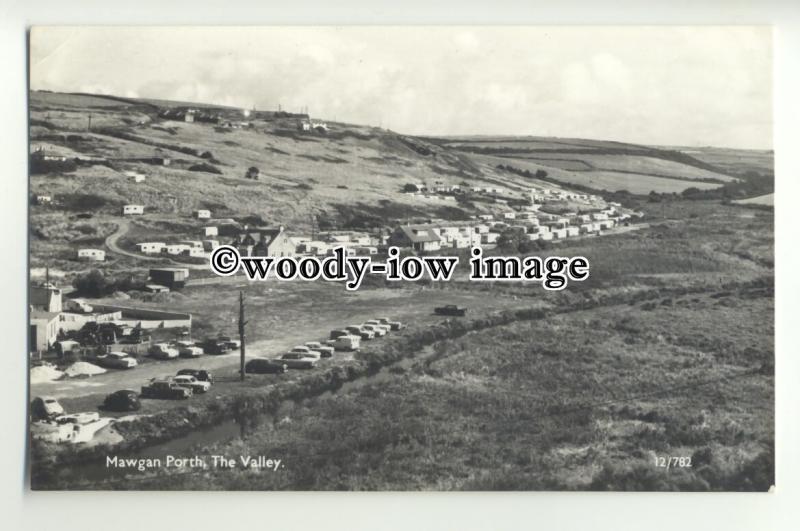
589 404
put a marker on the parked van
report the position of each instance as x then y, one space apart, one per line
347 343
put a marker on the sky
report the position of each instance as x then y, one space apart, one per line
660 85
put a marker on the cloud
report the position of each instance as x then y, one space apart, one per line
656 85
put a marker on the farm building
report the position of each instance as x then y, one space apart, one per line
150 247
171 277
210 231
131 210
42 199
421 238
94 255
195 244
202 214
44 328
572 231
509 215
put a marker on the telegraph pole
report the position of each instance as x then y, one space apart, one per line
242 322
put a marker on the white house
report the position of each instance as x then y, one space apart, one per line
175 248
195 244
210 231
131 210
150 247
202 214
95 255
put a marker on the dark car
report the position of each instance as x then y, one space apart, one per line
212 346
450 309
264 366
124 400
201 374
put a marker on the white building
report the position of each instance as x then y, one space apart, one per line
210 231
93 255
175 249
132 210
202 214
150 247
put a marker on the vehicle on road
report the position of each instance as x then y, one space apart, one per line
360 332
450 309
201 374
378 331
347 343
165 389
123 400
393 325
116 360
163 351
191 352
325 351
45 407
293 362
265 366
190 382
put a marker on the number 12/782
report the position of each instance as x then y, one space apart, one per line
673 462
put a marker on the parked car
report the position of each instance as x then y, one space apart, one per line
165 389
45 407
393 325
163 351
201 374
190 382
212 346
301 356
347 343
305 351
360 332
338 333
377 324
296 361
450 309
232 344
116 360
378 331
191 352
123 400
324 350
265 366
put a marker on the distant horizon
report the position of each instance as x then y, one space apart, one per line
443 136
651 85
